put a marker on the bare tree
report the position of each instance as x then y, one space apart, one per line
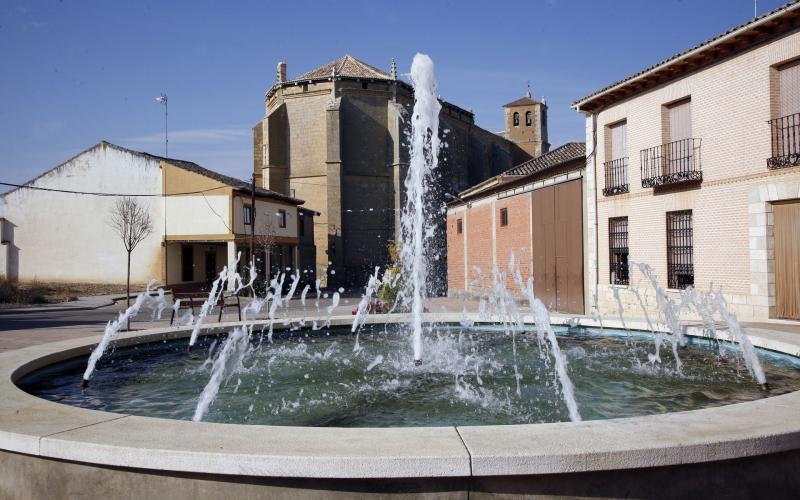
266 241
133 223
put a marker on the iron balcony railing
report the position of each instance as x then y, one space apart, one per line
785 142
671 163
616 177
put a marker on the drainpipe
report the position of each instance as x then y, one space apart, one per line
596 216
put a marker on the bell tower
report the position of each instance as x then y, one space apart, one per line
526 126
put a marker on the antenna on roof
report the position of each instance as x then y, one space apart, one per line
162 99
755 8
394 69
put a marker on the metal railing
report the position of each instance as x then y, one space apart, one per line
785 142
671 163
616 177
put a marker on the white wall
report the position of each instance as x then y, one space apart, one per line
66 237
194 215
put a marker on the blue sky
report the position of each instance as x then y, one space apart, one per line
76 72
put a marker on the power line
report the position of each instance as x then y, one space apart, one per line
92 193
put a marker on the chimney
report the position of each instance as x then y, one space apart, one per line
281 72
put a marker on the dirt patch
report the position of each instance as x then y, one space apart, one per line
14 294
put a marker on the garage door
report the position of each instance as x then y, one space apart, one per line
558 246
787 259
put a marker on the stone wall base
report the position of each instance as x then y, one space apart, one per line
772 476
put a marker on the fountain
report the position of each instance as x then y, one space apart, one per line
509 389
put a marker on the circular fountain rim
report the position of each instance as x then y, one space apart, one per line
35 426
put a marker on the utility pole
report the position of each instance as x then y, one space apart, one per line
163 100
253 221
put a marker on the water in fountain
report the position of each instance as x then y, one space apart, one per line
449 353
741 338
416 227
158 302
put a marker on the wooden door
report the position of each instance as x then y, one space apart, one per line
557 243
544 246
569 247
787 259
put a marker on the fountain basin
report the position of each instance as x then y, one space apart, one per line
737 441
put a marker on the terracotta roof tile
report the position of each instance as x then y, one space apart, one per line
523 101
562 154
347 66
783 8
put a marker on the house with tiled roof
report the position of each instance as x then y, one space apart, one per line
55 227
531 215
334 136
696 168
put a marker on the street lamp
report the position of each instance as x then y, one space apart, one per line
163 100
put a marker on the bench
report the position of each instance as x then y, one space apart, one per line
196 295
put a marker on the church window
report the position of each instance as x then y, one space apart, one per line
528 119
516 119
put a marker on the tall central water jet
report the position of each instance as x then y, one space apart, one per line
415 226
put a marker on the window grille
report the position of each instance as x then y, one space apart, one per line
618 251
680 249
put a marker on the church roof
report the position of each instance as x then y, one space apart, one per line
347 66
523 101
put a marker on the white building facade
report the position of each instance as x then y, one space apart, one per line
696 162
55 229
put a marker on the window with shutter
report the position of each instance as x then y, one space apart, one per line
680 121
789 88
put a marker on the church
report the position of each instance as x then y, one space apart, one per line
336 137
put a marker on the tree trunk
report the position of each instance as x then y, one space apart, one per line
128 288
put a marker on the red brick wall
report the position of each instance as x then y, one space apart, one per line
479 241
455 253
515 237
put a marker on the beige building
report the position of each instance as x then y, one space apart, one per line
694 164
54 229
334 136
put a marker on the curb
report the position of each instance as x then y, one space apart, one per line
62 308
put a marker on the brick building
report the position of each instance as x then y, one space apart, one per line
533 211
694 171
334 137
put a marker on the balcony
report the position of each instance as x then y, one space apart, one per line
616 177
672 163
785 142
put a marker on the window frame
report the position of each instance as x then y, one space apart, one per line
504 217
247 214
281 218
528 118
515 119
459 226
618 245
